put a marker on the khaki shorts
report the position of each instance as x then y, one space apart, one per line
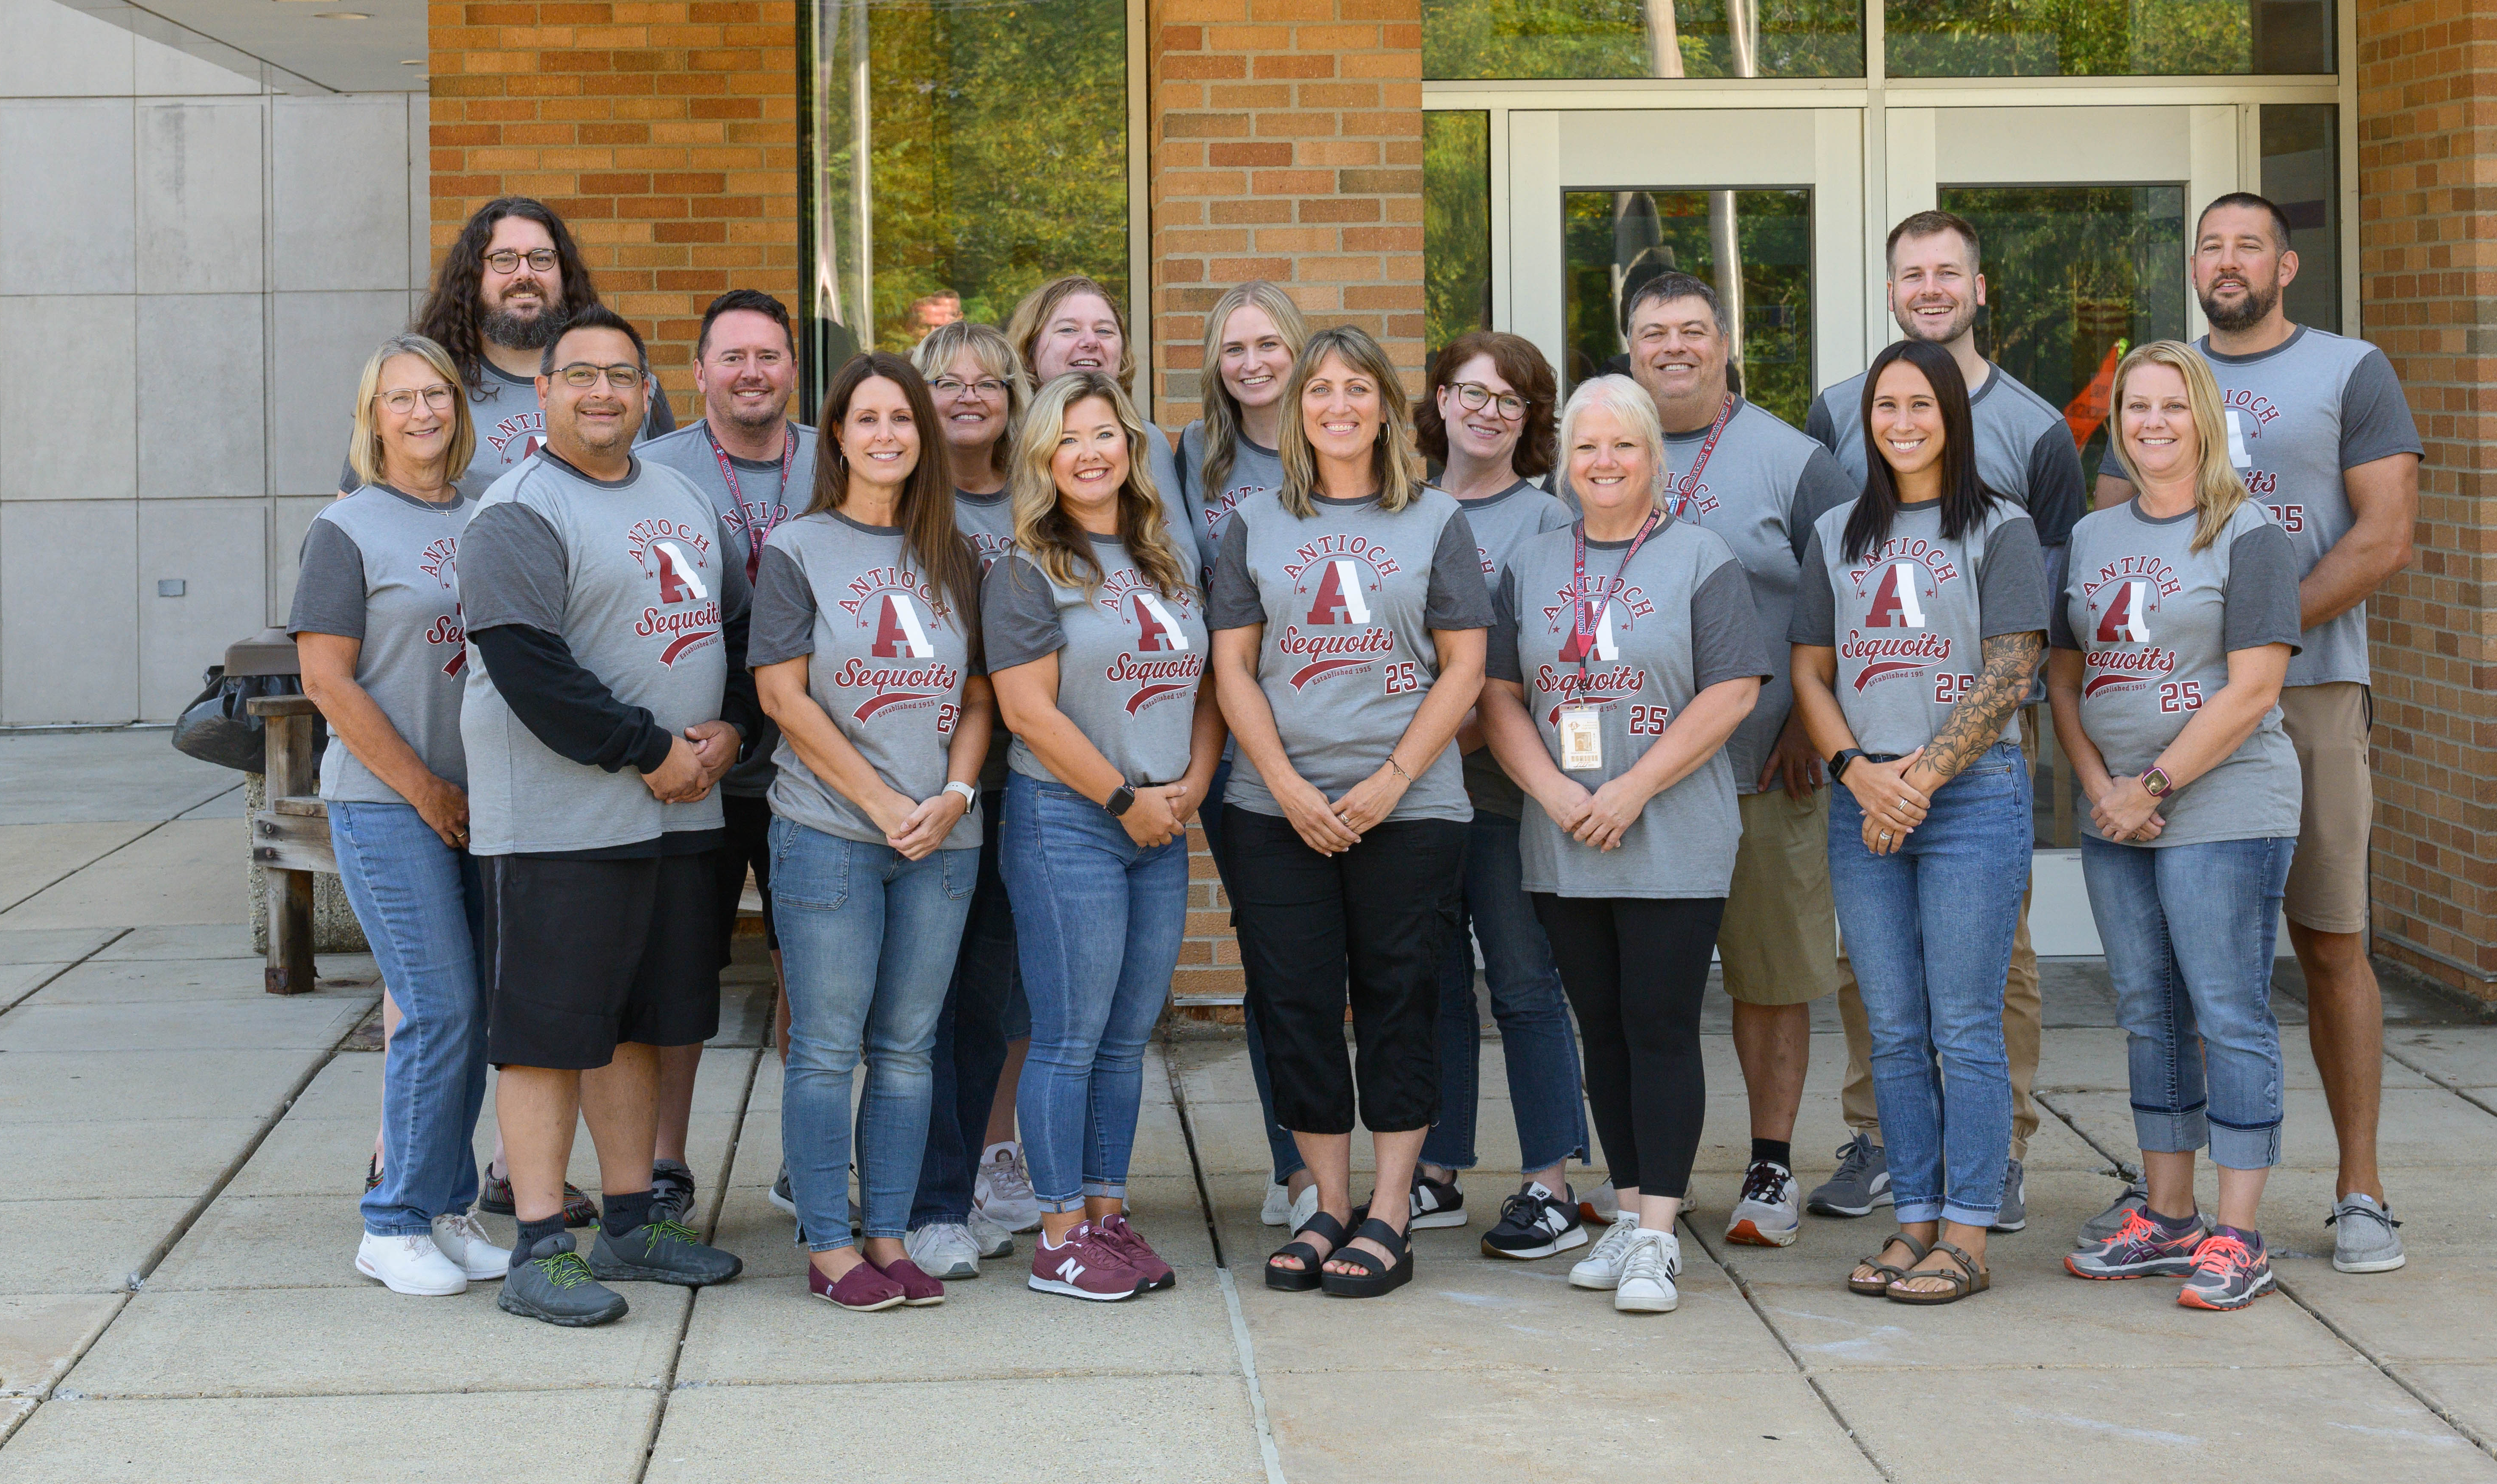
2328 726
1778 939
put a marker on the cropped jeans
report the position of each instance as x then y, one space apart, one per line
2188 932
1098 920
1929 928
421 905
868 940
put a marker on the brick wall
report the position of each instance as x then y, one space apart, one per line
665 134
2427 180
1286 145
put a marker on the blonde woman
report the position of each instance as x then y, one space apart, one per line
2171 638
1095 640
1348 613
1072 324
377 623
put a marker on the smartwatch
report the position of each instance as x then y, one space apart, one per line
2155 784
1838 765
1121 800
971 795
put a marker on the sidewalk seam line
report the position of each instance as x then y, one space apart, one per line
1241 1344
2465 1094
667 1384
10 906
66 968
1760 1312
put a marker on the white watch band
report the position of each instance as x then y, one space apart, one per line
971 795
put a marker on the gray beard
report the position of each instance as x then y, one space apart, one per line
2247 315
514 332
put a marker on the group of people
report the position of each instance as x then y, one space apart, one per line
1608 689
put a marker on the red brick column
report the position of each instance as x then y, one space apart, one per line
2427 182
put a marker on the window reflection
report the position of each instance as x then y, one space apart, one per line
1642 39
2299 143
1456 224
2107 38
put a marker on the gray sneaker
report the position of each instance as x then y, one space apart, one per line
2014 1211
552 1284
781 1196
671 1190
2103 1227
1862 1182
662 1252
2362 1237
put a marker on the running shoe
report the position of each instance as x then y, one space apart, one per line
1276 1208
551 1282
671 1190
2227 1272
1084 1267
1600 1205
1436 1203
782 1194
943 1250
2142 1247
2014 1214
1535 1223
2362 1236
578 1209
410 1264
2134 1199
990 1239
1140 1254
1002 1189
1861 1181
1768 1214
662 1252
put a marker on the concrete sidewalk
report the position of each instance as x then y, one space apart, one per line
177 1300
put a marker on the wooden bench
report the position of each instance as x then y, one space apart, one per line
290 837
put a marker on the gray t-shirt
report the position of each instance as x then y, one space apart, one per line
511 425
2157 620
2024 448
1501 524
2299 416
1678 621
1761 490
987 520
887 655
637 578
1910 618
1129 657
752 496
1254 470
381 567
1349 599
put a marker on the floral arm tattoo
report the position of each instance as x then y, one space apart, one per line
1977 721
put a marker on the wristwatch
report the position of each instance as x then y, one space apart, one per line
971 795
1120 801
2154 781
1838 764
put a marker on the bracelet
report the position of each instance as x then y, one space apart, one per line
1399 767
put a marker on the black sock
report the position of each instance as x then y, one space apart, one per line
620 1213
1777 1152
534 1232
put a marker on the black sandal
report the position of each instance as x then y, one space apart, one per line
1307 1276
1374 1279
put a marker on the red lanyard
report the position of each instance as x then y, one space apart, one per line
1586 620
1691 481
754 539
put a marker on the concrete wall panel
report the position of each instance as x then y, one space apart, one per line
202 406
200 205
321 344
55 52
339 169
219 551
66 224
68 391
69 629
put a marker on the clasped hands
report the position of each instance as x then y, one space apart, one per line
696 761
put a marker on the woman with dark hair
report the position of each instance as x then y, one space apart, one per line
1349 614
866 650
1916 627
1487 420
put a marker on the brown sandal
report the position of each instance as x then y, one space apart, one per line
1970 1277
1878 1286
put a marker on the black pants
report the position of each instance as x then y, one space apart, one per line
748 844
1636 970
1373 921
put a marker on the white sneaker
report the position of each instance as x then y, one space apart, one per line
411 1264
992 1240
1003 1191
943 1249
1648 1271
1602 1268
1599 1207
1770 1213
458 1238
1278 1208
1304 1206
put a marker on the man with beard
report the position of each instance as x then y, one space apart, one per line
2320 431
505 288
759 468
606 609
2025 452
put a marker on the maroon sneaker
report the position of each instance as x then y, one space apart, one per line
862 1290
918 1289
1122 1233
1086 1265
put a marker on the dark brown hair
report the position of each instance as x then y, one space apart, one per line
926 510
1526 371
1964 497
1930 224
452 311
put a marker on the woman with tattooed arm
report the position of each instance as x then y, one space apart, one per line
1912 649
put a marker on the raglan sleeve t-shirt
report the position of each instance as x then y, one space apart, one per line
1130 658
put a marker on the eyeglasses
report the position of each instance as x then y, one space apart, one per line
402 400
583 375
1474 397
987 388
506 261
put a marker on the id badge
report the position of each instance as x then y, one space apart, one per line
1582 739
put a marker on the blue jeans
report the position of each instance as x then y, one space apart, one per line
1283 1152
1099 920
868 941
1929 928
1525 999
2188 932
970 1049
420 903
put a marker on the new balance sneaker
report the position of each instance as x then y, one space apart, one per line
1121 1233
495 1200
1600 1205
410 1264
1767 1214
662 1252
1084 1267
671 1190
1436 1203
2143 1247
1861 1181
2014 1214
943 1249
1002 1189
987 1237
781 1196
461 1238
1601 1268
1535 1223
553 1284
1277 1208
2229 1273
1650 1263
2362 1236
